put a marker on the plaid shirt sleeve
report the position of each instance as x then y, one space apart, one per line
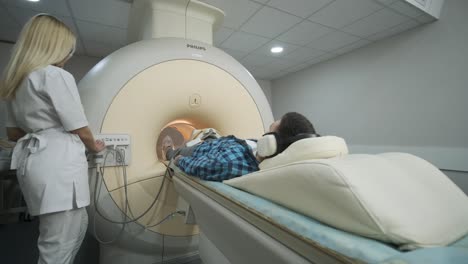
220 159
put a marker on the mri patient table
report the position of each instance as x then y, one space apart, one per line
244 228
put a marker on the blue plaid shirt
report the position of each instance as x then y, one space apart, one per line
220 159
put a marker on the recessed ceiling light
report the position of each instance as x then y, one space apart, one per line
34 0
276 49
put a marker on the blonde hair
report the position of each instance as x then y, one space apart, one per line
44 40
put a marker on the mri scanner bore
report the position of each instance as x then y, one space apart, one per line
216 158
223 158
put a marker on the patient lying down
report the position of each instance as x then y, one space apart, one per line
221 158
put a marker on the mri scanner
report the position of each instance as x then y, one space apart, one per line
170 81
154 87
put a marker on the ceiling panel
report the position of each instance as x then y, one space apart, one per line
325 57
304 33
255 59
394 30
425 19
274 69
356 45
107 12
101 33
236 54
9 29
310 31
22 15
376 22
301 8
266 49
406 9
249 67
280 64
298 67
343 12
244 42
96 49
332 41
221 35
262 73
280 74
386 2
54 7
303 54
269 22
237 12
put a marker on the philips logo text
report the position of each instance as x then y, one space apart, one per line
195 47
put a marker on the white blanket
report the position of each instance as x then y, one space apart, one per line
393 197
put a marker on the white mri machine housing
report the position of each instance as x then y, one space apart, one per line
141 89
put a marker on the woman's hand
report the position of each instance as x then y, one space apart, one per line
99 146
87 137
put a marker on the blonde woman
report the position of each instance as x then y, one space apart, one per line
46 118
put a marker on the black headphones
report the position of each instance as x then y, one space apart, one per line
271 144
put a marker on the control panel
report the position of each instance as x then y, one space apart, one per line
114 139
116 153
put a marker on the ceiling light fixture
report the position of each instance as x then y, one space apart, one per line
276 49
34 0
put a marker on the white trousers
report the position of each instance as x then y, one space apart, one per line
60 235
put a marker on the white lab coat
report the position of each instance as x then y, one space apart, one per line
50 162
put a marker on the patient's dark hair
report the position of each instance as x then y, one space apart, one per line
291 125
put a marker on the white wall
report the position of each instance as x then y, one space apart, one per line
266 87
5 49
4 55
408 93
78 66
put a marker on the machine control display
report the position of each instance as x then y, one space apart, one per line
116 153
114 139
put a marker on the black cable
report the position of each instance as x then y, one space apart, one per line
97 192
167 217
98 170
126 197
